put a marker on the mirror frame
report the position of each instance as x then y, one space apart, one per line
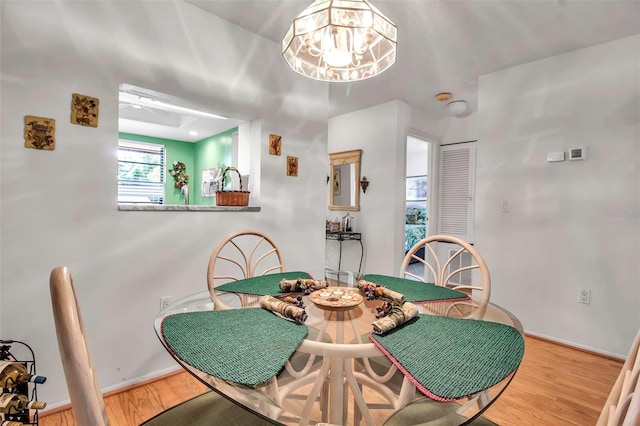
339 159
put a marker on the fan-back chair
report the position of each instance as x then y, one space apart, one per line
87 402
445 261
242 254
245 254
449 261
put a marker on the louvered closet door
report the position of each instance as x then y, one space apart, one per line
457 189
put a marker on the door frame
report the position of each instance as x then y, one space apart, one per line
432 182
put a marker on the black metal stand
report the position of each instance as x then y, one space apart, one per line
347 236
30 390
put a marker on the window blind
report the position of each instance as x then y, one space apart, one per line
140 172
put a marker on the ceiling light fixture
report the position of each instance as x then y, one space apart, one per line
340 41
458 108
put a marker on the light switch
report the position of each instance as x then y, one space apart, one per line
506 206
555 156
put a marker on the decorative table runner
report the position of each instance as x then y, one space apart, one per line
416 291
244 346
263 285
450 358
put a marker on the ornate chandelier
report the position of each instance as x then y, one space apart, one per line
340 40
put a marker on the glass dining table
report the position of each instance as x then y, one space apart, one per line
458 354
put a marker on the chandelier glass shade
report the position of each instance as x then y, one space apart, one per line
340 41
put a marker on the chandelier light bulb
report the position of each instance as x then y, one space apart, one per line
337 58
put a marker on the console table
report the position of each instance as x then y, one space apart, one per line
346 236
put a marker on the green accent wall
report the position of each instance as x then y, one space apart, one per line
212 152
174 151
209 152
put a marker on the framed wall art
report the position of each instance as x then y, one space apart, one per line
292 166
337 181
39 132
275 144
84 110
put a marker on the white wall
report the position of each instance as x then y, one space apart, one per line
59 207
380 132
572 224
458 129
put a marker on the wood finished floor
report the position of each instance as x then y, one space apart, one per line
555 385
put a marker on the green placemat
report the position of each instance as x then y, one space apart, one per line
416 291
245 346
450 358
263 285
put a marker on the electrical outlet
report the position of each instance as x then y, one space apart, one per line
165 301
584 296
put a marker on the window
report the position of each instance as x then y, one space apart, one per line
416 188
140 173
415 210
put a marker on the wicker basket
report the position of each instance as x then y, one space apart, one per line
232 198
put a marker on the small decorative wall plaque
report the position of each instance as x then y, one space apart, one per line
292 166
84 110
39 132
275 144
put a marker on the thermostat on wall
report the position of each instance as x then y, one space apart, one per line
579 153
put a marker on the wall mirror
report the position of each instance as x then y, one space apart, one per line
344 178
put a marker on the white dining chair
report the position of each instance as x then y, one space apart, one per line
246 254
87 402
242 254
622 407
449 261
445 261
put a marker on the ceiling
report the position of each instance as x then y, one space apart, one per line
447 45
442 46
146 112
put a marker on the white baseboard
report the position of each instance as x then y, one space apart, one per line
577 345
121 385
141 379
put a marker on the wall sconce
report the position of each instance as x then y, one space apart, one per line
364 183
